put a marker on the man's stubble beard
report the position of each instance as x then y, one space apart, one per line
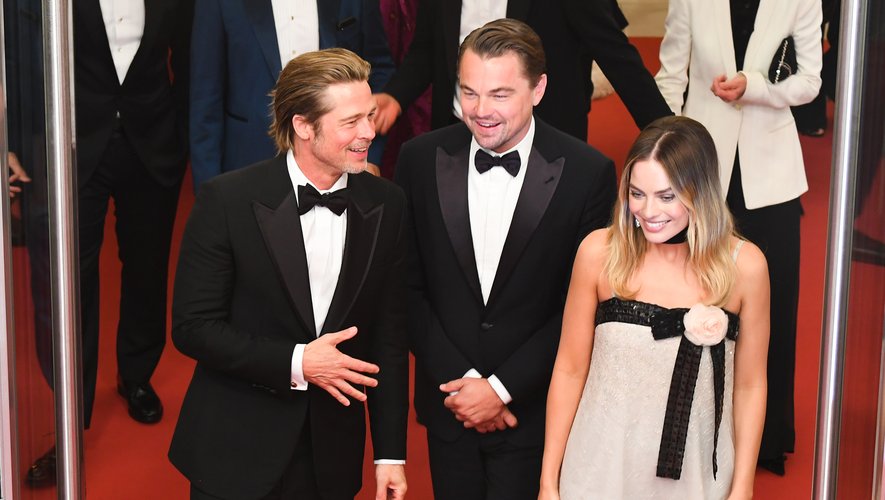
349 168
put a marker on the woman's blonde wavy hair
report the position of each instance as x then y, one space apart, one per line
685 150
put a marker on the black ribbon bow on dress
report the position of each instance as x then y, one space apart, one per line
668 323
665 324
309 197
484 162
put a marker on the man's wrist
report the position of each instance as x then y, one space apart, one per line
499 389
494 382
388 461
471 373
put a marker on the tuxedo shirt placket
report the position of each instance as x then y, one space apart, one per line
323 233
297 27
124 26
489 220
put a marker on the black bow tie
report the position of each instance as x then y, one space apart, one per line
309 197
485 161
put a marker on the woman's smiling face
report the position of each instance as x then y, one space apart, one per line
660 213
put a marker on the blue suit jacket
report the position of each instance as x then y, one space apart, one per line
235 63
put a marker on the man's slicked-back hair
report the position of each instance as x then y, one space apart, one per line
503 36
301 87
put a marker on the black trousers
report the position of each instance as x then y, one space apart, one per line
775 230
483 467
145 214
297 483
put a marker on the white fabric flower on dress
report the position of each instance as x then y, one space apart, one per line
705 325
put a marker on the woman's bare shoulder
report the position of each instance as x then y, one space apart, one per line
752 268
750 259
595 246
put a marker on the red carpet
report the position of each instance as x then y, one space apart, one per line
127 460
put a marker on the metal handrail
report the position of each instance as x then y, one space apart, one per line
59 80
846 133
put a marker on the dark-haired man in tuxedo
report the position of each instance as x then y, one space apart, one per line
290 295
499 204
574 33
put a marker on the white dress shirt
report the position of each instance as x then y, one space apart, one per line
491 201
324 234
475 13
298 27
124 25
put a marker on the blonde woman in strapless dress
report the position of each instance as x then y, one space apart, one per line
659 385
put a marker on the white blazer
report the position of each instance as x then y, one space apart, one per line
698 46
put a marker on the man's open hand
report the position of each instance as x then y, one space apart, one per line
327 367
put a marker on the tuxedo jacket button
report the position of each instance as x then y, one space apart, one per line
486 326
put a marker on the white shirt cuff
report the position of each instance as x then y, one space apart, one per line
385 461
496 384
298 383
500 390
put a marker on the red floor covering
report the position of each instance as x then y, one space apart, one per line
127 460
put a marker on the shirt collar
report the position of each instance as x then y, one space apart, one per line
299 179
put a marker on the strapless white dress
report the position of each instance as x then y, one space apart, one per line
613 447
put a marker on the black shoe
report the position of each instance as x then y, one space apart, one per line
867 249
812 132
42 471
144 404
774 465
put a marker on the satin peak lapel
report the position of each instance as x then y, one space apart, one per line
451 185
281 228
363 225
260 13
541 179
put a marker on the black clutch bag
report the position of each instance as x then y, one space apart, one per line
783 64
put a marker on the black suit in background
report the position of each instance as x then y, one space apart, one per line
568 191
241 304
574 33
132 147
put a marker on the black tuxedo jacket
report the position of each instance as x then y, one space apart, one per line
574 33
241 304
568 191
152 107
